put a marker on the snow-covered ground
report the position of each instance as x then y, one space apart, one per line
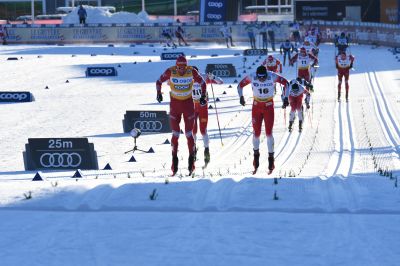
331 206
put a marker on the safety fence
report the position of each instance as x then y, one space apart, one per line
360 32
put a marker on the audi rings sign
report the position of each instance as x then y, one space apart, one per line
255 52
171 56
60 154
147 121
101 72
222 70
15 96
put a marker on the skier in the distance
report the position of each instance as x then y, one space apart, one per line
305 61
262 83
180 79
201 112
294 96
343 65
286 49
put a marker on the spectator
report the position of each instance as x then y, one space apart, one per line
272 27
263 32
82 15
251 33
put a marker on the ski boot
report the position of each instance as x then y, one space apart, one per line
290 126
347 97
206 156
191 160
256 161
338 97
271 165
300 125
174 166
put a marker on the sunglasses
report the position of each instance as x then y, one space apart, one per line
262 76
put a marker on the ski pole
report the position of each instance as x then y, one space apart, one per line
216 112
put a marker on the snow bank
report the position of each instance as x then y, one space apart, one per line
95 15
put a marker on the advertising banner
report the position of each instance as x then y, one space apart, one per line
212 10
146 121
389 11
59 154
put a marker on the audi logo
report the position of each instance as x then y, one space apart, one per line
60 159
215 4
221 73
105 71
255 52
214 16
148 125
13 96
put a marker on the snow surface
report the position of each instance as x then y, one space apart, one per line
334 210
95 15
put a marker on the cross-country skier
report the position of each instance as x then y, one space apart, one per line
262 83
179 32
286 49
227 34
167 34
201 112
305 61
342 42
273 64
294 96
180 78
343 64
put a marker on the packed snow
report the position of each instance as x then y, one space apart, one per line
96 15
324 204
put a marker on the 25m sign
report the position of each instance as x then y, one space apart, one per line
60 154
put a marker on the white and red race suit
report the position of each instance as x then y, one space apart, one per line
263 105
201 111
343 65
295 96
304 62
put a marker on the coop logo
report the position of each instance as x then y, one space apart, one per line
16 96
101 71
215 4
62 160
251 52
148 125
214 16
171 56
181 80
221 73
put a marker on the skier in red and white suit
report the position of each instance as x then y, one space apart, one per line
305 60
180 79
262 83
294 96
273 64
201 112
343 64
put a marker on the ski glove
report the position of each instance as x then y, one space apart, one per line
242 101
159 97
211 76
285 102
203 100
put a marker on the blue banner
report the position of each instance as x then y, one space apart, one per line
212 10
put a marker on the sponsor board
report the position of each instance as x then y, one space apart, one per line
147 121
255 52
59 154
101 72
222 70
213 10
15 96
171 56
